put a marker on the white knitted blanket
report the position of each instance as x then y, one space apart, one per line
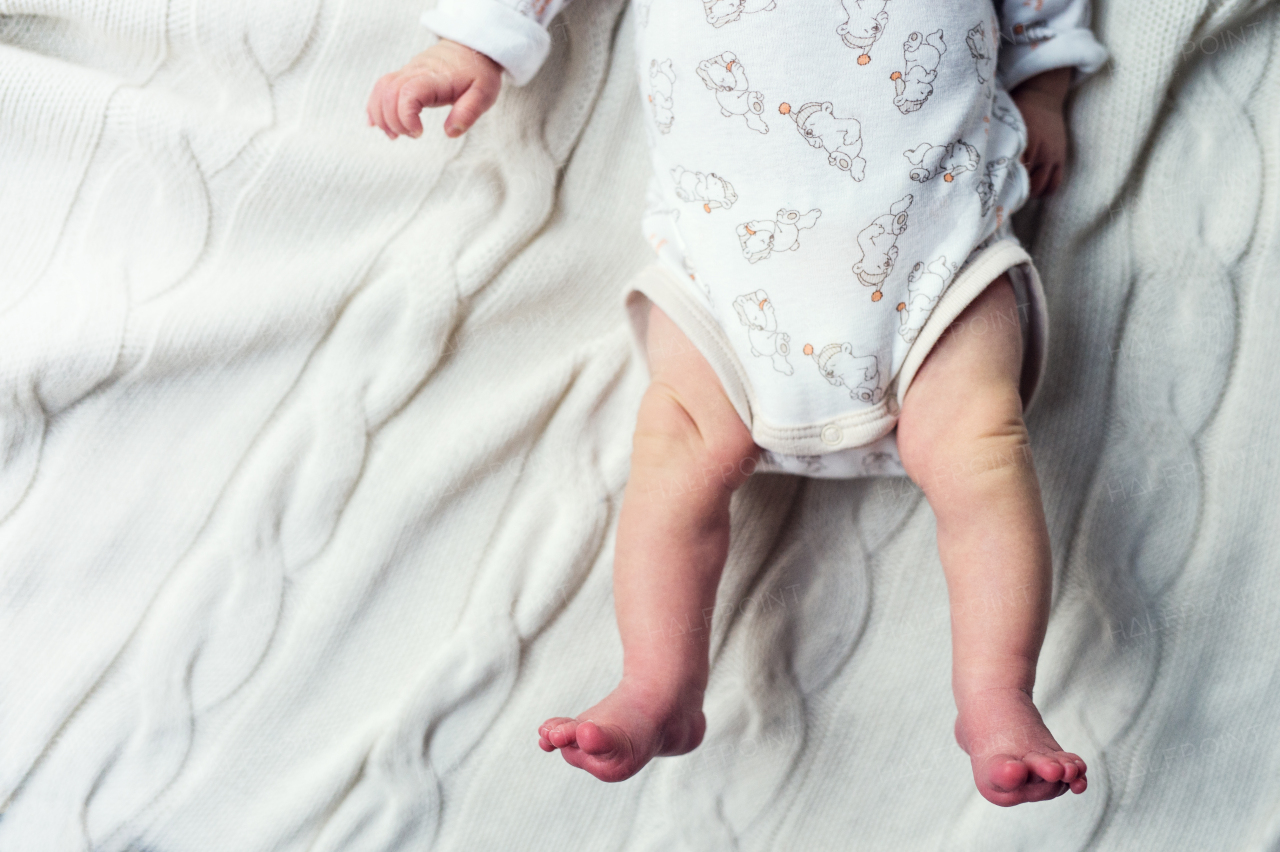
311 446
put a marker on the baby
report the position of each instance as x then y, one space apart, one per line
812 157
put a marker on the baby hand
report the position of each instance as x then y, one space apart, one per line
447 73
1040 100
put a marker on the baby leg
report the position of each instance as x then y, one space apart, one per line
962 440
690 452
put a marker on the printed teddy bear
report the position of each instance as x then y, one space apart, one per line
924 287
914 85
659 225
954 158
859 373
864 26
711 189
1009 118
810 464
725 76
841 138
982 51
760 239
755 311
721 12
798 464
881 463
987 186
662 79
878 242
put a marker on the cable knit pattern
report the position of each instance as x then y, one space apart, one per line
311 448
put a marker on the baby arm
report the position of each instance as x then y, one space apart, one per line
479 39
1045 48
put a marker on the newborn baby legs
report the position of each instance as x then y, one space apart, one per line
690 452
962 440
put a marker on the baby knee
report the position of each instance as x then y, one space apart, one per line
695 441
948 448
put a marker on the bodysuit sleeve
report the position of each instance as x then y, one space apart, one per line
512 33
1040 35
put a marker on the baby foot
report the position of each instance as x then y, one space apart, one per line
632 725
1015 758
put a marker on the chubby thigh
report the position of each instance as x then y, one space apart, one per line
822 171
962 415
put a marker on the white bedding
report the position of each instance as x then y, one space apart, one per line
311 446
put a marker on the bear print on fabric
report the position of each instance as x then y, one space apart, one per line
721 12
755 311
659 225
914 85
662 79
841 138
1010 118
878 242
864 26
712 190
800 464
760 239
987 186
982 51
954 158
812 464
859 373
882 464
725 76
925 286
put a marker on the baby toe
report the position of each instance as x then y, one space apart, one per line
563 734
1005 772
1043 791
555 721
1046 767
595 740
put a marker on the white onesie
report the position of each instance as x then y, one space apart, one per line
832 186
